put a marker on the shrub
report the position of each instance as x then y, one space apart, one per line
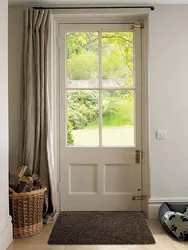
70 138
82 108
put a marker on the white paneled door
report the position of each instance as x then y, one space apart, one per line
100 117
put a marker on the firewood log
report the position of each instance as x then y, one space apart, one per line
13 180
35 188
21 171
37 181
26 184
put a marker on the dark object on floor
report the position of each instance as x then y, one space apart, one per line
165 207
93 228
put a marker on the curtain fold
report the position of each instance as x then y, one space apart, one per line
37 151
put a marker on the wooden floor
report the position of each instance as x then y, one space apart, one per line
39 242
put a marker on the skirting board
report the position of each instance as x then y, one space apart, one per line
155 203
6 234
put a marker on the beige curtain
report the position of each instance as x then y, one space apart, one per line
37 142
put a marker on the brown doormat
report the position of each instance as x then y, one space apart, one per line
105 228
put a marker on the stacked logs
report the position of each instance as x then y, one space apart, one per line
21 184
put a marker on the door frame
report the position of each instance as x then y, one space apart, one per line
103 16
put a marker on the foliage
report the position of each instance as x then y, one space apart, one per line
117 110
80 42
117 56
122 114
82 64
69 135
83 108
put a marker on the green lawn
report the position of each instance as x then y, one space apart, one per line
120 114
118 124
112 136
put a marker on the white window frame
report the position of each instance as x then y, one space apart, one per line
101 16
100 88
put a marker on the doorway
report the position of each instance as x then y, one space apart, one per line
100 117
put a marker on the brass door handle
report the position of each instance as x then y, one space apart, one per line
137 156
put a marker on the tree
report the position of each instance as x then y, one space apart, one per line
117 56
82 64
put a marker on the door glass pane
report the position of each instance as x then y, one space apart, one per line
82 60
117 59
83 118
118 118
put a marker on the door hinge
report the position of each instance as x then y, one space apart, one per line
139 197
137 26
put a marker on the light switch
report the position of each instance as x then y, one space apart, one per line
161 134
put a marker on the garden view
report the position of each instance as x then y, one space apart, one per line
99 69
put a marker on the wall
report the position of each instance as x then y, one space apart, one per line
168 81
5 222
168 67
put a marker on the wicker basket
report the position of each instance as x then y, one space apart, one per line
27 212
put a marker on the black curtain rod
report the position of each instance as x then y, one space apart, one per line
94 7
